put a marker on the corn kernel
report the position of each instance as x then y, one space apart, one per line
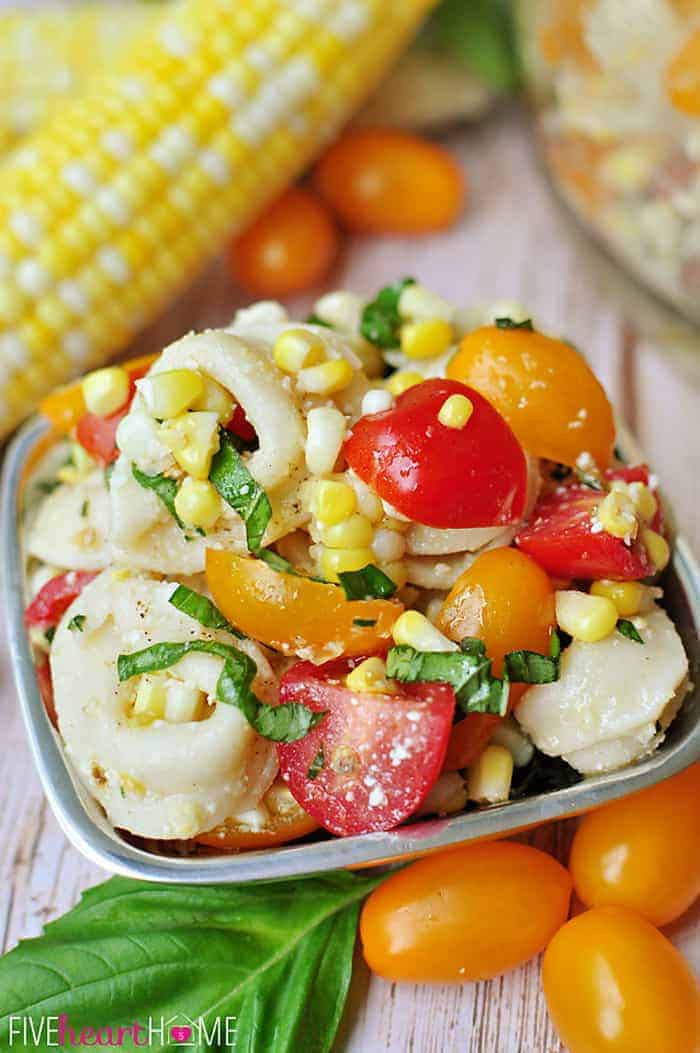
414 629
644 500
420 304
490 776
340 309
426 339
617 515
170 393
326 379
448 795
369 676
657 548
193 439
296 349
402 381
106 390
215 399
325 433
626 595
509 734
332 502
149 703
585 617
335 561
376 400
354 532
455 411
197 503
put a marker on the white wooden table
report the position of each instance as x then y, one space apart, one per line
510 244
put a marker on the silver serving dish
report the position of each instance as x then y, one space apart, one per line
87 828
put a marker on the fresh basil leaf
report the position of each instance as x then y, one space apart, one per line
316 766
313 319
277 562
473 645
283 723
163 487
370 583
619 455
543 775
84 509
591 479
529 667
50 633
480 36
476 689
77 623
236 485
47 486
555 645
202 610
267 962
627 628
509 323
381 322
363 623
109 470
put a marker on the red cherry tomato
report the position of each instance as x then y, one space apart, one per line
53 600
379 755
475 476
97 435
43 679
561 538
241 426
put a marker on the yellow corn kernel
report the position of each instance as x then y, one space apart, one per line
193 439
149 703
326 379
626 595
490 776
215 399
426 339
332 502
197 503
585 617
402 381
340 309
354 532
455 411
106 390
295 349
657 548
644 500
335 561
370 676
414 629
170 393
420 304
397 571
617 515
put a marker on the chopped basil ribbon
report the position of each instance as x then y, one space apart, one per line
510 323
47 486
284 723
316 766
369 583
476 689
380 318
202 610
50 633
277 562
84 509
627 628
163 487
530 667
364 622
77 623
590 479
313 319
236 485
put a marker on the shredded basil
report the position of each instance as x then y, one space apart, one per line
47 486
313 319
277 562
364 622
530 667
202 610
316 766
476 689
543 775
590 479
284 723
50 633
77 623
239 489
163 487
510 323
380 318
108 474
627 628
369 583
84 509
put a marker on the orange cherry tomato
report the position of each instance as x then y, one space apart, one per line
296 615
65 406
289 248
683 77
543 387
468 914
614 984
469 738
382 181
562 39
643 852
287 821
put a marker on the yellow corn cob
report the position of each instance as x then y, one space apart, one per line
111 209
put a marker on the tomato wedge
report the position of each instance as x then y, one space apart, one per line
468 739
474 476
561 538
373 759
65 406
53 600
296 615
98 435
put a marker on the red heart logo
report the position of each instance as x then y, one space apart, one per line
180 1034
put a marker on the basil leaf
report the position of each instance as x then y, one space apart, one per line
627 628
529 667
202 610
473 645
77 623
108 474
268 963
283 723
555 645
277 562
84 509
381 322
543 775
364 622
589 479
480 36
509 323
163 487
367 584
313 319
47 486
476 689
236 485
316 766
50 633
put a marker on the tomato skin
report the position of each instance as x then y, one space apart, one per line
643 852
381 753
289 248
98 435
384 181
469 738
614 984
545 390
560 538
65 406
55 597
474 476
467 914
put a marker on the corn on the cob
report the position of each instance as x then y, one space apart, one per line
112 208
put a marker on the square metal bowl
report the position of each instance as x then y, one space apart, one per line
87 828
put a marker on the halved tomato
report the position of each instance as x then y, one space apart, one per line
65 406
98 435
372 760
53 600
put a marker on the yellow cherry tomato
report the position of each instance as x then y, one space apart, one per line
614 984
543 387
467 914
683 77
643 852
